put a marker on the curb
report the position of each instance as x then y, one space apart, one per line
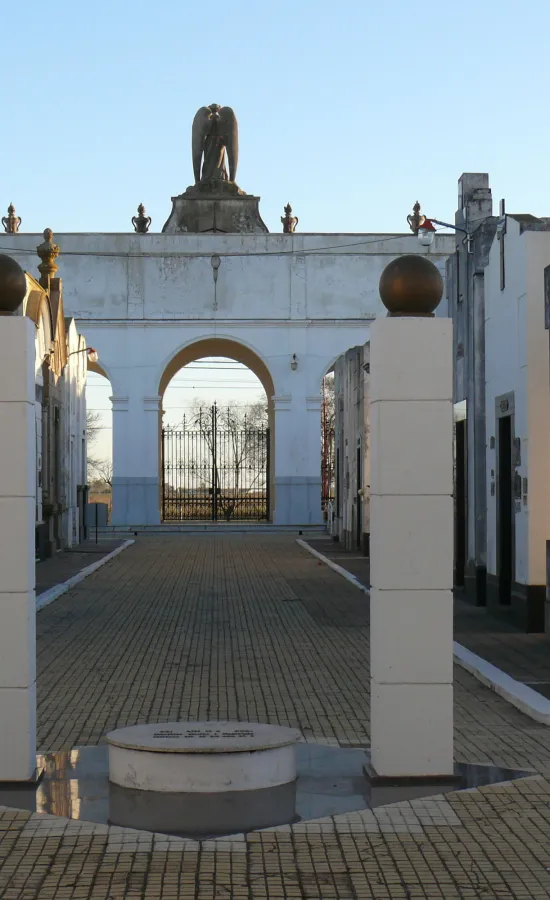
524 698
335 567
59 589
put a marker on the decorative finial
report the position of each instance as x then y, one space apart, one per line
11 222
416 220
411 286
289 221
142 221
48 252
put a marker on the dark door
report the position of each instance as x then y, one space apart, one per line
505 516
359 501
460 503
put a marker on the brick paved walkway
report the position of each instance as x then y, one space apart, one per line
526 657
253 627
67 563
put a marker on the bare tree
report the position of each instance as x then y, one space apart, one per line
92 426
232 450
100 472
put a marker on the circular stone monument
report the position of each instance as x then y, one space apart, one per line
202 778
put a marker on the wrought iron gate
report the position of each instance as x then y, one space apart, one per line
215 467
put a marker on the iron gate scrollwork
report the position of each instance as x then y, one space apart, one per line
215 468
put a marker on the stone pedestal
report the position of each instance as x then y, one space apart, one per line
223 210
202 778
411 437
17 576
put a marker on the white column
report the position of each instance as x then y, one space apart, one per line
17 574
136 448
411 431
297 460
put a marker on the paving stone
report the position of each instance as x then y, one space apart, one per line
185 627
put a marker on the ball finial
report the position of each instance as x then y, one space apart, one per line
13 285
411 286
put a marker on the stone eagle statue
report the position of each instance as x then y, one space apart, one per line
215 139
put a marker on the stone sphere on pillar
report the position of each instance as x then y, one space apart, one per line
411 286
13 285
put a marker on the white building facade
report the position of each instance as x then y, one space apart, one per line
498 297
287 306
61 371
517 400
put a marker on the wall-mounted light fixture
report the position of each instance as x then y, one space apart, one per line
294 362
215 262
93 355
424 228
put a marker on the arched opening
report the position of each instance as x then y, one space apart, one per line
216 434
99 439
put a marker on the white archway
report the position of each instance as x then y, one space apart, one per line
230 349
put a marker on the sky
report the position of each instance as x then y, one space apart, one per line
350 111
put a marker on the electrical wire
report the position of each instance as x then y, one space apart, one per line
221 254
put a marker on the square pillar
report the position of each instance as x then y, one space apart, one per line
17 550
136 455
297 460
411 438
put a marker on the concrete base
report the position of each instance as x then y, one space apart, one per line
297 500
202 814
526 609
198 211
21 794
445 780
136 500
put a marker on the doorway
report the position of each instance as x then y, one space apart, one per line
359 481
505 513
460 502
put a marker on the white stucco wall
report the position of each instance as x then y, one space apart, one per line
517 360
141 299
74 437
538 407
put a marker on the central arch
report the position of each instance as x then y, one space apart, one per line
231 349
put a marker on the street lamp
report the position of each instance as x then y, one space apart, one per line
424 228
93 355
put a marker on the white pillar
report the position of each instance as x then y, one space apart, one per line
17 544
136 446
297 460
411 424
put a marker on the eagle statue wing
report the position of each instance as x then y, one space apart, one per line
230 131
201 124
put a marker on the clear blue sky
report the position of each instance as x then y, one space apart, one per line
350 110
